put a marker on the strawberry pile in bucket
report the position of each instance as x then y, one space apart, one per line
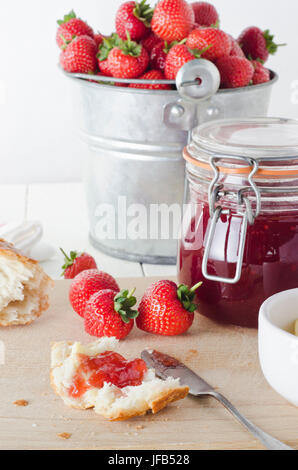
154 43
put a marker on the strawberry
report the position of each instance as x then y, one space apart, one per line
129 60
110 314
261 74
217 42
98 38
235 71
257 44
236 49
108 43
71 26
134 18
150 42
166 309
104 68
172 20
152 75
196 41
178 56
158 56
205 14
76 263
79 56
87 284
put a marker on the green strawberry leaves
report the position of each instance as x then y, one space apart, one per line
65 42
216 25
107 45
144 12
70 16
187 296
68 260
199 52
123 303
130 47
272 47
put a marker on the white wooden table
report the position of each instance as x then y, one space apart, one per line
61 208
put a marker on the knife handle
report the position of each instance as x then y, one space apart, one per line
268 441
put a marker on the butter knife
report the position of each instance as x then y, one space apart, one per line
166 366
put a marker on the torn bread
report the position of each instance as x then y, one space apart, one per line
24 287
110 401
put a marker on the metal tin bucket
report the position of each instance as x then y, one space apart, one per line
134 157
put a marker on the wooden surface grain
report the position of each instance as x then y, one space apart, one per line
225 356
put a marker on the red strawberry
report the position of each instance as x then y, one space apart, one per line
79 56
110 314
172 20
205 14
261 75
196 41
76 263
178 56
108 43
150 42
134 18
104 68
152 75
218 42
158 57
86 284
98 38
71 26
236 49
235 71
166 309
257 44
129 60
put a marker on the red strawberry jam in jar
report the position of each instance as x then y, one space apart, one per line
240 227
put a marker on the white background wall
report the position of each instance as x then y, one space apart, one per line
37 128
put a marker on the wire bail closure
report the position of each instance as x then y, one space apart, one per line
216 192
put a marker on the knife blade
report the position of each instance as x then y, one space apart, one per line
166 366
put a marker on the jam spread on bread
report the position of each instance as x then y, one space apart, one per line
108 367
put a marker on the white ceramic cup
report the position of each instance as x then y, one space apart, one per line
278 348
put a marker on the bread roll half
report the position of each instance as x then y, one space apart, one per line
110 401
24 287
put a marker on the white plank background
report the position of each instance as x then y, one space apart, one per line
61 208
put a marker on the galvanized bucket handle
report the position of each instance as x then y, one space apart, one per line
197 81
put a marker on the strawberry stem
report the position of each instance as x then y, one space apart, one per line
130 47
194 288
107 45
123 303
68 260
144 12
131 293
199 52
187 296
71 15
65 255
271 45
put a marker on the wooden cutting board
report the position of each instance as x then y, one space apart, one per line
225 356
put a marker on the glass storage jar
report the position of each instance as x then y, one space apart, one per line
240 225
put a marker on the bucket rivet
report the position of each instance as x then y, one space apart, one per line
177 110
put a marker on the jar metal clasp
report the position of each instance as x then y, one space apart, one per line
216 192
